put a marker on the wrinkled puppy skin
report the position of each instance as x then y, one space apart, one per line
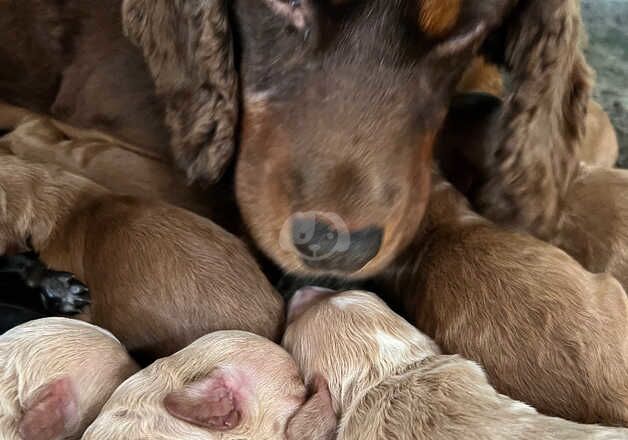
227 385
535 146
55 376
394 382
189 50
159 276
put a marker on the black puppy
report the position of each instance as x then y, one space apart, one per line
28 282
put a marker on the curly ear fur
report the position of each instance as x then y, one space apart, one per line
543 120
189 50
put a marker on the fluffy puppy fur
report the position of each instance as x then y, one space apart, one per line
159 276
394 383
227 385
99 157
55 376
522 308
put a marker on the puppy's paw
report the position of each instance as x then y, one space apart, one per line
63 294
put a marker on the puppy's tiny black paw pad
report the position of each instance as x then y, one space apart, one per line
63 294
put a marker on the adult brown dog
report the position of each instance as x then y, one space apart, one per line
160 276
320 199
393 382
335 104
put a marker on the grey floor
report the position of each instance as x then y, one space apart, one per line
607 24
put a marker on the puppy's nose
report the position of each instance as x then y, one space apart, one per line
304 298
323 247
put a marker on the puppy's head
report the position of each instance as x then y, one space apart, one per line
350 340
57 375
227 385
340 112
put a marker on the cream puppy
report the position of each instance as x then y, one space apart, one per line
55 376
228 385
389 381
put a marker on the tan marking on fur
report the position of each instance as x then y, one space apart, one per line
482 77
437 17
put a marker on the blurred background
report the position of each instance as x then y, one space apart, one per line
607 24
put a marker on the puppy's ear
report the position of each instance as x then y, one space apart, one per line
189 49
51 413
533 154
216 402
316 419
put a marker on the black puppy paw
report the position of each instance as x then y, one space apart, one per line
63 294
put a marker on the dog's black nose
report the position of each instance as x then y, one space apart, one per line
325 246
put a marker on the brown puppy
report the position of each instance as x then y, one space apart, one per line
227 385
99 157
600 146
590 224
160 277
55 376
523 309
594 226
389 381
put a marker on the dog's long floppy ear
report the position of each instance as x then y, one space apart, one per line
533 153
189 49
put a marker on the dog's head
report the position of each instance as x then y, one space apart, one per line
339 118
336 104
226 385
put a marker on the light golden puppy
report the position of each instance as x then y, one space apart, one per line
227 385
159 276
55 376
389 381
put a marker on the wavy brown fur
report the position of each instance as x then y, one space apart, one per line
543 122
187 45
